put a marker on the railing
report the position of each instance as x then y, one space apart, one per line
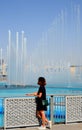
73 109
57 108
21 111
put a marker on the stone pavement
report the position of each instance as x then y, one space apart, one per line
71 126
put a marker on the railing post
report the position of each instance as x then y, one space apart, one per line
65 109
51 108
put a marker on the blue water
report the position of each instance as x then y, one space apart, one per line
63 89
58 89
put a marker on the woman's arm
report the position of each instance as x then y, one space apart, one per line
32 94
39 95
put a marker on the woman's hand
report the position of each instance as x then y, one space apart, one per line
35 94
28 95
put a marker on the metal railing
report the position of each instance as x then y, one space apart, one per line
57 108
21 111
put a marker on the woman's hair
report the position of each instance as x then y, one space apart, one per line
42 80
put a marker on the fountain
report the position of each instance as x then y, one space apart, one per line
52 53
17 60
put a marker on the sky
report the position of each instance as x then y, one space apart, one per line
32 16
52 28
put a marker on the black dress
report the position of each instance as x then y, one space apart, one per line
39 100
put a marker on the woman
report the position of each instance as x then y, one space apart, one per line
41 95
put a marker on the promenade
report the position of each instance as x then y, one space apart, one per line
71 126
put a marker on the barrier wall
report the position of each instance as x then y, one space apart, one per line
20 112
73 109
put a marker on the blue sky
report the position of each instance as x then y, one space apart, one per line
53 29
32 16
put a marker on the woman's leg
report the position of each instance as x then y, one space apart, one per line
38 114
44 119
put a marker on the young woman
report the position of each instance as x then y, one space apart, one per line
41 95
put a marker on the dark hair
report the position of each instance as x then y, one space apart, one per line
42 80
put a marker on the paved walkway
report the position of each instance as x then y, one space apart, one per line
73 126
